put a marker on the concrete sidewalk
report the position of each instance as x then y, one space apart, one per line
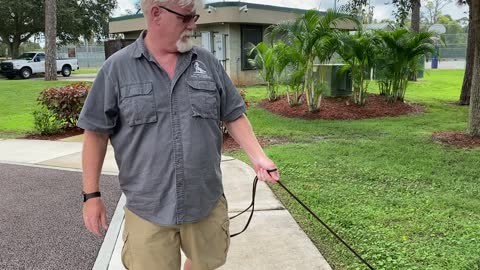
273 241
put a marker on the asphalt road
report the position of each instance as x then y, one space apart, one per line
41 224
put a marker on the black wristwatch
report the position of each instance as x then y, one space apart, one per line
87 196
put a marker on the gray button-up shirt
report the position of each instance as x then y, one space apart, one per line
165 133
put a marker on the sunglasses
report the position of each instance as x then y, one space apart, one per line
185 18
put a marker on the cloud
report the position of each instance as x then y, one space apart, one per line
123 6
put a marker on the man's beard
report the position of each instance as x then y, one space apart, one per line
184 43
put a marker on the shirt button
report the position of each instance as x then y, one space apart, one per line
174 113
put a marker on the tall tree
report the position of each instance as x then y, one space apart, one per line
360 8
467 78
434 10
20 21
50 40
416 5
403 8
3 48
474 112
23 19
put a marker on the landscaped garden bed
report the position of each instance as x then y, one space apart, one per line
342 108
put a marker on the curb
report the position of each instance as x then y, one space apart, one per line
106 250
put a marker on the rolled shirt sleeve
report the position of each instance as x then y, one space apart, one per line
100 111
232 104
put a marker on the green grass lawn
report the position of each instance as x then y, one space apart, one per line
402 200
86 71
17 102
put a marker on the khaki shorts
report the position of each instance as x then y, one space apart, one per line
148 246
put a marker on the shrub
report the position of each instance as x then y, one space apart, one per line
65 102
46 122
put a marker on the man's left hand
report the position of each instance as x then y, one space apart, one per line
262 168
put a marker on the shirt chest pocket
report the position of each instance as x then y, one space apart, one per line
138 103
203 99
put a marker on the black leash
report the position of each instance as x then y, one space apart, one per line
252 205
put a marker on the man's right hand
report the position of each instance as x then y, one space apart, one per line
95 216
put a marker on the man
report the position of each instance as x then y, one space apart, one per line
160 102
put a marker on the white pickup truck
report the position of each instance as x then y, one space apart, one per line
30 63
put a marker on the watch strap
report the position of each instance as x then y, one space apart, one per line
87 196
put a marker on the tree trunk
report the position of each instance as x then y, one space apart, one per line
467 78
11 50
415 28
50 40
416 15
14 48
474 113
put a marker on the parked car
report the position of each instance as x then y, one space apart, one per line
31 63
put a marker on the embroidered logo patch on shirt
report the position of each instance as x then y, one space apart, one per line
199 70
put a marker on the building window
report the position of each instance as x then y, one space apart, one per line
251 36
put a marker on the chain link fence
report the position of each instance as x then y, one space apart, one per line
455 47
88 56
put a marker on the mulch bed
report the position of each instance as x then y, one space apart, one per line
229 144
65 134
456 138
343 108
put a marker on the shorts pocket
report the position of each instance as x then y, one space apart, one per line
137 103
203 99
126 260
225 202
226 230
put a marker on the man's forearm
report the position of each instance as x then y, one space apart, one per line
94 150
242 132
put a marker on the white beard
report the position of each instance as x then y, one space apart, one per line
185 45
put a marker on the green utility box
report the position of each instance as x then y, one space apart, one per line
339 84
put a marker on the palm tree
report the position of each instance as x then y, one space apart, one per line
315 38
290 69
271 59
399 52
358 52
264 60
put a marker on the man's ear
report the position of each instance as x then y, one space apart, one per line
155 12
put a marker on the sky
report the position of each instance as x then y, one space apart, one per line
383 9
